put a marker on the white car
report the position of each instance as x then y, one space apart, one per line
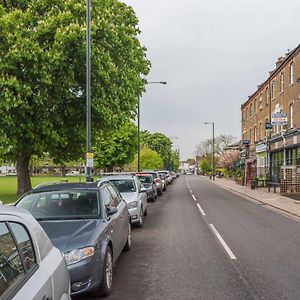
134 194
30 266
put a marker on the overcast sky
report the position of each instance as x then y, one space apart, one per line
213 54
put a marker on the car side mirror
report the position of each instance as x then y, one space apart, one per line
143 190
111 210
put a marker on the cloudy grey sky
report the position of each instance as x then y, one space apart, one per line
213 54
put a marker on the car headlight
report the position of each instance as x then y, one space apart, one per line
132 204
77 255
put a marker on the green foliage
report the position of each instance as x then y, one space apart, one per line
150 160
175 159
116 148
42 74
159 143
205 166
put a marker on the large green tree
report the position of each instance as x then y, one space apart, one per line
150 160
159 143
115 148
42 76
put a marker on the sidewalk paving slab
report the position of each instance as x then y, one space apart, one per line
274 200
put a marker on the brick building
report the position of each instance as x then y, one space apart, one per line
271 121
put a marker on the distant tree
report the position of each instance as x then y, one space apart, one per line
229 158
43 76
175 158
115 148
205 166
159 143
191 161
150 160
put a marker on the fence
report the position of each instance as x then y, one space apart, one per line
290 180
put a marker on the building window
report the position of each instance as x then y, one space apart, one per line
291 73
250 137
246 116
291 116
281 82
267 96
260 102
273 90
255 106
251 109
255 134
260 131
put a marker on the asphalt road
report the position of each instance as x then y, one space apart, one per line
200 241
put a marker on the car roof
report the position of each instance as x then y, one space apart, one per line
143 174
119 177
65 186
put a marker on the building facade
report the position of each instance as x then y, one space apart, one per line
271 121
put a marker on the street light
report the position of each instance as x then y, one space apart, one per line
139 127
213 146
89 155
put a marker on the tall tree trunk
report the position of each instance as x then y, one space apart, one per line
63 171
24 183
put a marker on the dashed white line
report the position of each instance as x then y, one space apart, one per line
201 210
194 197
223 243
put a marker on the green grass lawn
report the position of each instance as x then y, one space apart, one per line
8 185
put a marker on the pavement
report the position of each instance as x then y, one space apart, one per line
274 200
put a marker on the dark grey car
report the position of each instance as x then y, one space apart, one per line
89 223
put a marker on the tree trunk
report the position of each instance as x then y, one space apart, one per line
24 183
63 171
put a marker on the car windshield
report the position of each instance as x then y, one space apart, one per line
124 185
145 178
71 204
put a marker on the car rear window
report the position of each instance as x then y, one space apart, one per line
145 178
68 204
124 185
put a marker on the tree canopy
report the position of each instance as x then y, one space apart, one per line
42 76
150 160
115 148
159 143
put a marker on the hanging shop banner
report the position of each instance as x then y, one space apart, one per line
260 148
279 119
269 126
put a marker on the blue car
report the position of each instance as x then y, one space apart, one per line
89 223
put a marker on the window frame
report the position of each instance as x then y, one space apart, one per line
13 289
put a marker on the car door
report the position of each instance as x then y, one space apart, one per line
142 196
123 217
21 274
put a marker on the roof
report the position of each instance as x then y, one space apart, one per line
62 186
115 177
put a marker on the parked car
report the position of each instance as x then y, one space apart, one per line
148 183
164 180
134 194
89 223
30 266
173 174
168 176
73 173
157 180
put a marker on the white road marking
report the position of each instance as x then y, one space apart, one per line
201 210
194 197
223 243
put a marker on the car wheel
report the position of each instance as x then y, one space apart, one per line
141 219
160 192
145 213
107 274
127 246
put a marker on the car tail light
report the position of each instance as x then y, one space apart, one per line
157 180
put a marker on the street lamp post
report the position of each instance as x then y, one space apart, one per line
88 92
213 147
139 123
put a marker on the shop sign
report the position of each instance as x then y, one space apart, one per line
246 142
260 148
279 119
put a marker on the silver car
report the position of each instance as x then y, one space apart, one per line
134 194
30 266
